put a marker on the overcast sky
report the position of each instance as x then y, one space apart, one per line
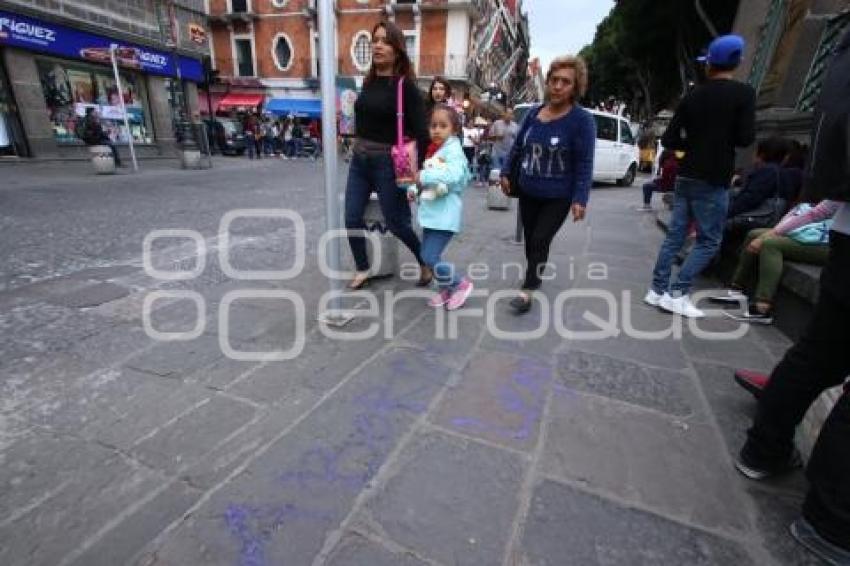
559 27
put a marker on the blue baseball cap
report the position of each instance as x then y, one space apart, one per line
724 51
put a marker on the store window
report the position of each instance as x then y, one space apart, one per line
70 89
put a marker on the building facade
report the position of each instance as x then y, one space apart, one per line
55 62
266 51
790 44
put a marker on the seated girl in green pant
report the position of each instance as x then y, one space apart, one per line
802 236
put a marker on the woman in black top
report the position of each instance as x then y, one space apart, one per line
372 167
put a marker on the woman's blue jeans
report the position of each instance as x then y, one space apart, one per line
375 173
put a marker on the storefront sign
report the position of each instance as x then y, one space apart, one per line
198 34
36 35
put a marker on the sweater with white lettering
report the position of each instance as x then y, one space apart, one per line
557 156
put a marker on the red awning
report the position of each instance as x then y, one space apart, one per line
240 100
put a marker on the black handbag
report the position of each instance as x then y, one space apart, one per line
765 215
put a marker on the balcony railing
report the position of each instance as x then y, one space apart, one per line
451 67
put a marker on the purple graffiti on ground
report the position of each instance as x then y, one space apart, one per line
253 527
523 397
349 464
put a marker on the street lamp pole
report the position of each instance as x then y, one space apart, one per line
112 50
334 315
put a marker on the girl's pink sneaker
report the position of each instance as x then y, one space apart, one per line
458 298
441 298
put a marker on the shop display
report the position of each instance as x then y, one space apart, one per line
71 89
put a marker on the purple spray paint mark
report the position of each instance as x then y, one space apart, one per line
349 464
523 396
253 527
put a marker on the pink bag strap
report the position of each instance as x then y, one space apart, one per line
400 113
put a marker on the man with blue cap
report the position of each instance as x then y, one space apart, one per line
710 122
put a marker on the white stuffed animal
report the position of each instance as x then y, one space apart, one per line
432 192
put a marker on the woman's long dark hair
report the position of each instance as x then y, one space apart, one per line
395 37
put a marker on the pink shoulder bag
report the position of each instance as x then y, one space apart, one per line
404 152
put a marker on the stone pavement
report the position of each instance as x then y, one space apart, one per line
436 440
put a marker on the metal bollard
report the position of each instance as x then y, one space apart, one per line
496 199
102 159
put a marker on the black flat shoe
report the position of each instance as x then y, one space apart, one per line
520 304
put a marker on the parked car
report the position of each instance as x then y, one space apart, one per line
226 135
617 154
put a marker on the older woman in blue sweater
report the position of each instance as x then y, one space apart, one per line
554 152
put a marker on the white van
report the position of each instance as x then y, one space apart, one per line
617 153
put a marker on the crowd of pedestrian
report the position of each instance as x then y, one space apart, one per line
287 138
398 131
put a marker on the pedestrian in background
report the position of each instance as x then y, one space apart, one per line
288 145
503 133
710 122
440 92
252 137
666 180
91 132
470 142
372 167
554 153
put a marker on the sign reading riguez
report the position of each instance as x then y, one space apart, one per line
32 34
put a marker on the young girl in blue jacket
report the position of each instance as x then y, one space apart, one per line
442 181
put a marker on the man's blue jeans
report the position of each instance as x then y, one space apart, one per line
706 205
434 243
498 162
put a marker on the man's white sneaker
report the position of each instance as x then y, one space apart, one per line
652 298
680 305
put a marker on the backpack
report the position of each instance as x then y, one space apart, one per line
828 173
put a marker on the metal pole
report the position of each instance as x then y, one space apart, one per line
327 50
112 49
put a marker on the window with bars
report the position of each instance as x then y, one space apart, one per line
363 51
771 32
832 34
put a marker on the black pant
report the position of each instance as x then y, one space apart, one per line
541 220
375 173
818 361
